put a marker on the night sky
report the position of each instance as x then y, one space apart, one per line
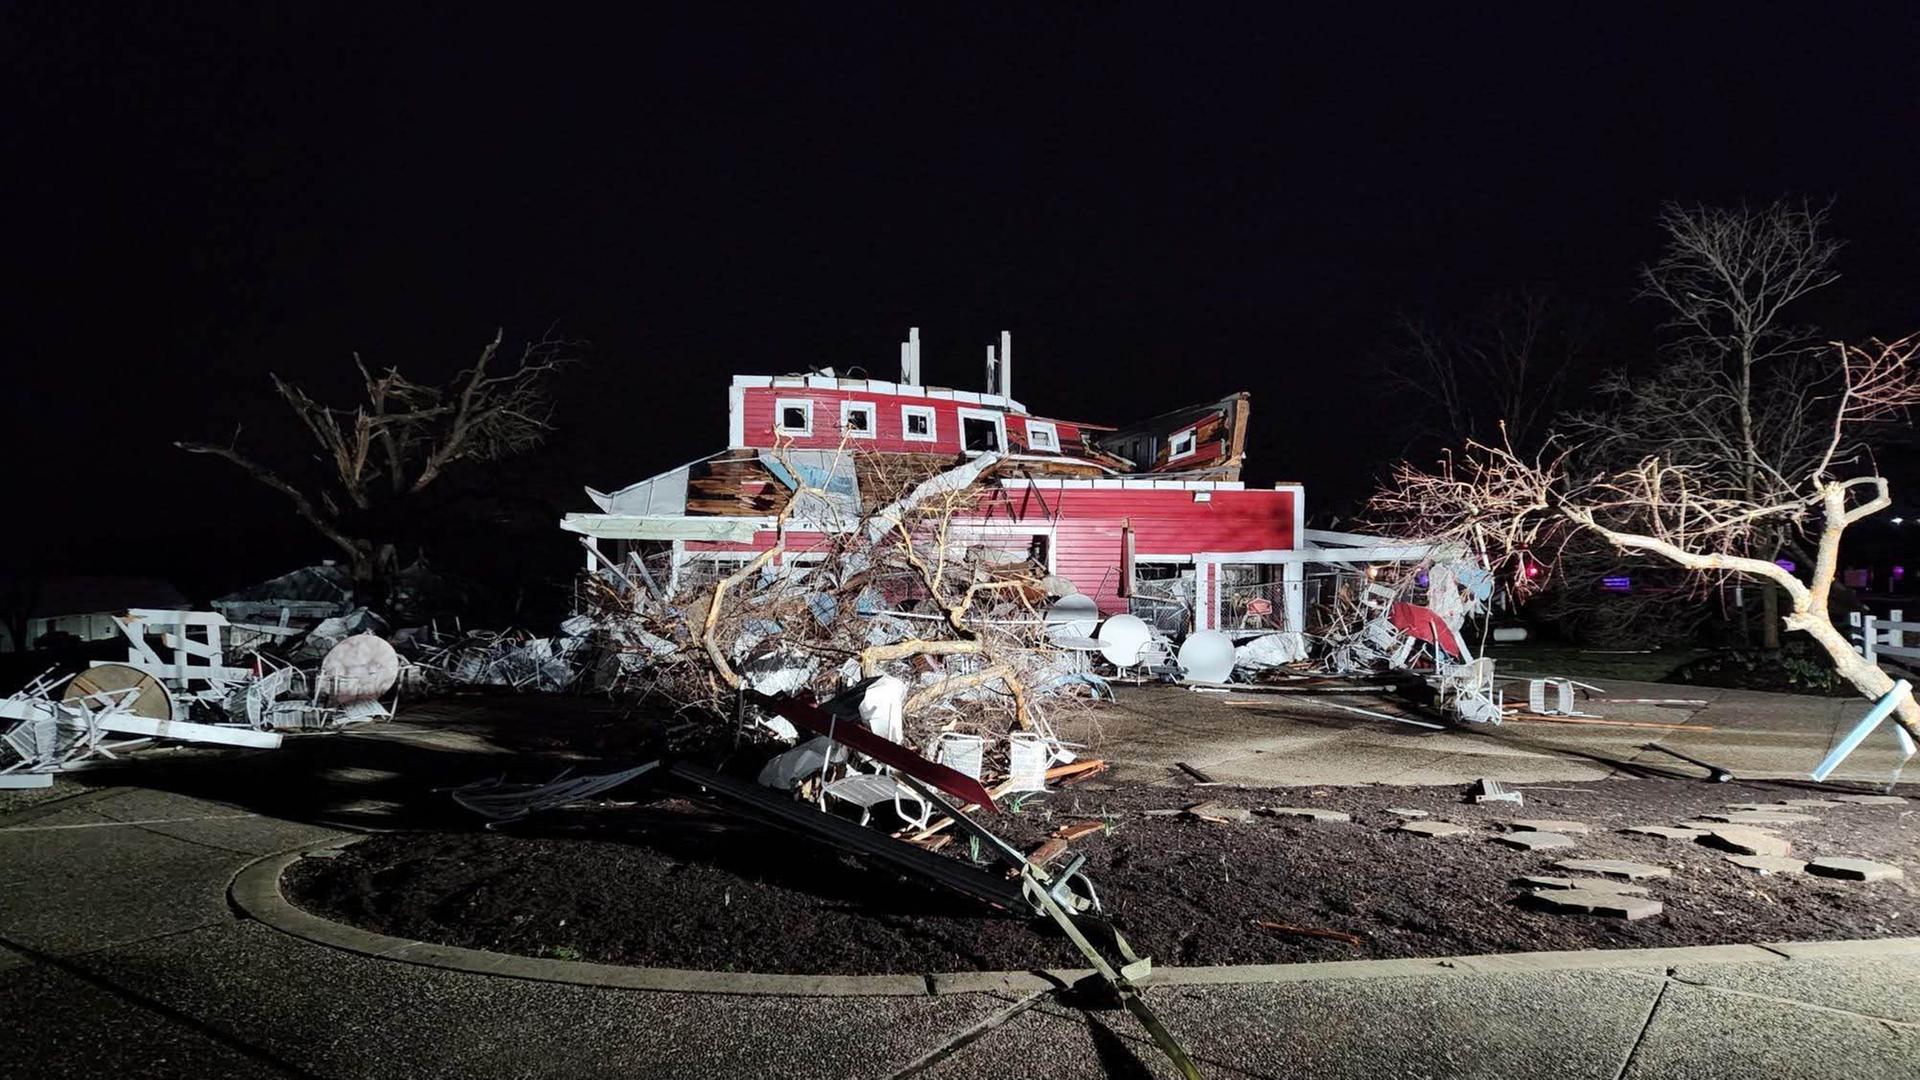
1161 207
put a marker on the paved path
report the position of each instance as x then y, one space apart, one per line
1283 740
119 955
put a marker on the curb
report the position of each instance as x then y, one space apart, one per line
255 891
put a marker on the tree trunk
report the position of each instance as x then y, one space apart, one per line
1769 616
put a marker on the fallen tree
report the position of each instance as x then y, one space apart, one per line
1508 507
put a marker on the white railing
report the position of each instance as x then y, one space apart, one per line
1875 637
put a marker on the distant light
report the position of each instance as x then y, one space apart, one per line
1533 569
1899 572
1420 579
1899 521
1785 564
1623 583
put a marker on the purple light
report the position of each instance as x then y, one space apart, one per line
1899 572
1420 579
1785 564
1622 583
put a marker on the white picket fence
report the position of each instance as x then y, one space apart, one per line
1876 637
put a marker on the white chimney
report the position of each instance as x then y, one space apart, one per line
1006 364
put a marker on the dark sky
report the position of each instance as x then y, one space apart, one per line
1161 206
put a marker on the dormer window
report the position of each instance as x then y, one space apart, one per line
1044 437
856 419
1184 444
793 416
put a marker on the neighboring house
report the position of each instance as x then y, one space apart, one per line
81 606
1175 525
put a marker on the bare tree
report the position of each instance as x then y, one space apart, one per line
1502 504
401 440
1502 369
1735 400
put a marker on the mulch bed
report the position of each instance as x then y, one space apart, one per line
672 883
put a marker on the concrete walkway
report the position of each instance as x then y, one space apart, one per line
119 955
1284 740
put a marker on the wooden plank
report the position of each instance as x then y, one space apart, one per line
1074 830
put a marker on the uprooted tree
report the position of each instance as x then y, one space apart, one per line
381 456
1504 505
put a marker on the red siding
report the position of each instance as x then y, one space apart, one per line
1087 522
758 406
1087 526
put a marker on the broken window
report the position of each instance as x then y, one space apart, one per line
793 416
1184 444
1042 437
916 422
980 434
856 419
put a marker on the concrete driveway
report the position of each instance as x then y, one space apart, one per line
1276 739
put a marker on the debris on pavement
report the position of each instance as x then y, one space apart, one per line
1489 790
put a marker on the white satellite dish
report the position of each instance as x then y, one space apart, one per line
1072 616
1207 656
360 668
1122 638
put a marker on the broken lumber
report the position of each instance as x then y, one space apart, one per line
1074 830
1077 771
1195 773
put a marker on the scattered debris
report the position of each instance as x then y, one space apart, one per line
1408 812
1306 812
1218 814
1714 772
1074 830
1197 775
1486 791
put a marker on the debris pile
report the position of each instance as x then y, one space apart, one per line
845 588
179 683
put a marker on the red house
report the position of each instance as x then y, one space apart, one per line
1150 516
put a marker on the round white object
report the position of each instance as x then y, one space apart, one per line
1072 616
1207 656
360 668
1122 638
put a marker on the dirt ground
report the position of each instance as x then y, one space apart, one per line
674 882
